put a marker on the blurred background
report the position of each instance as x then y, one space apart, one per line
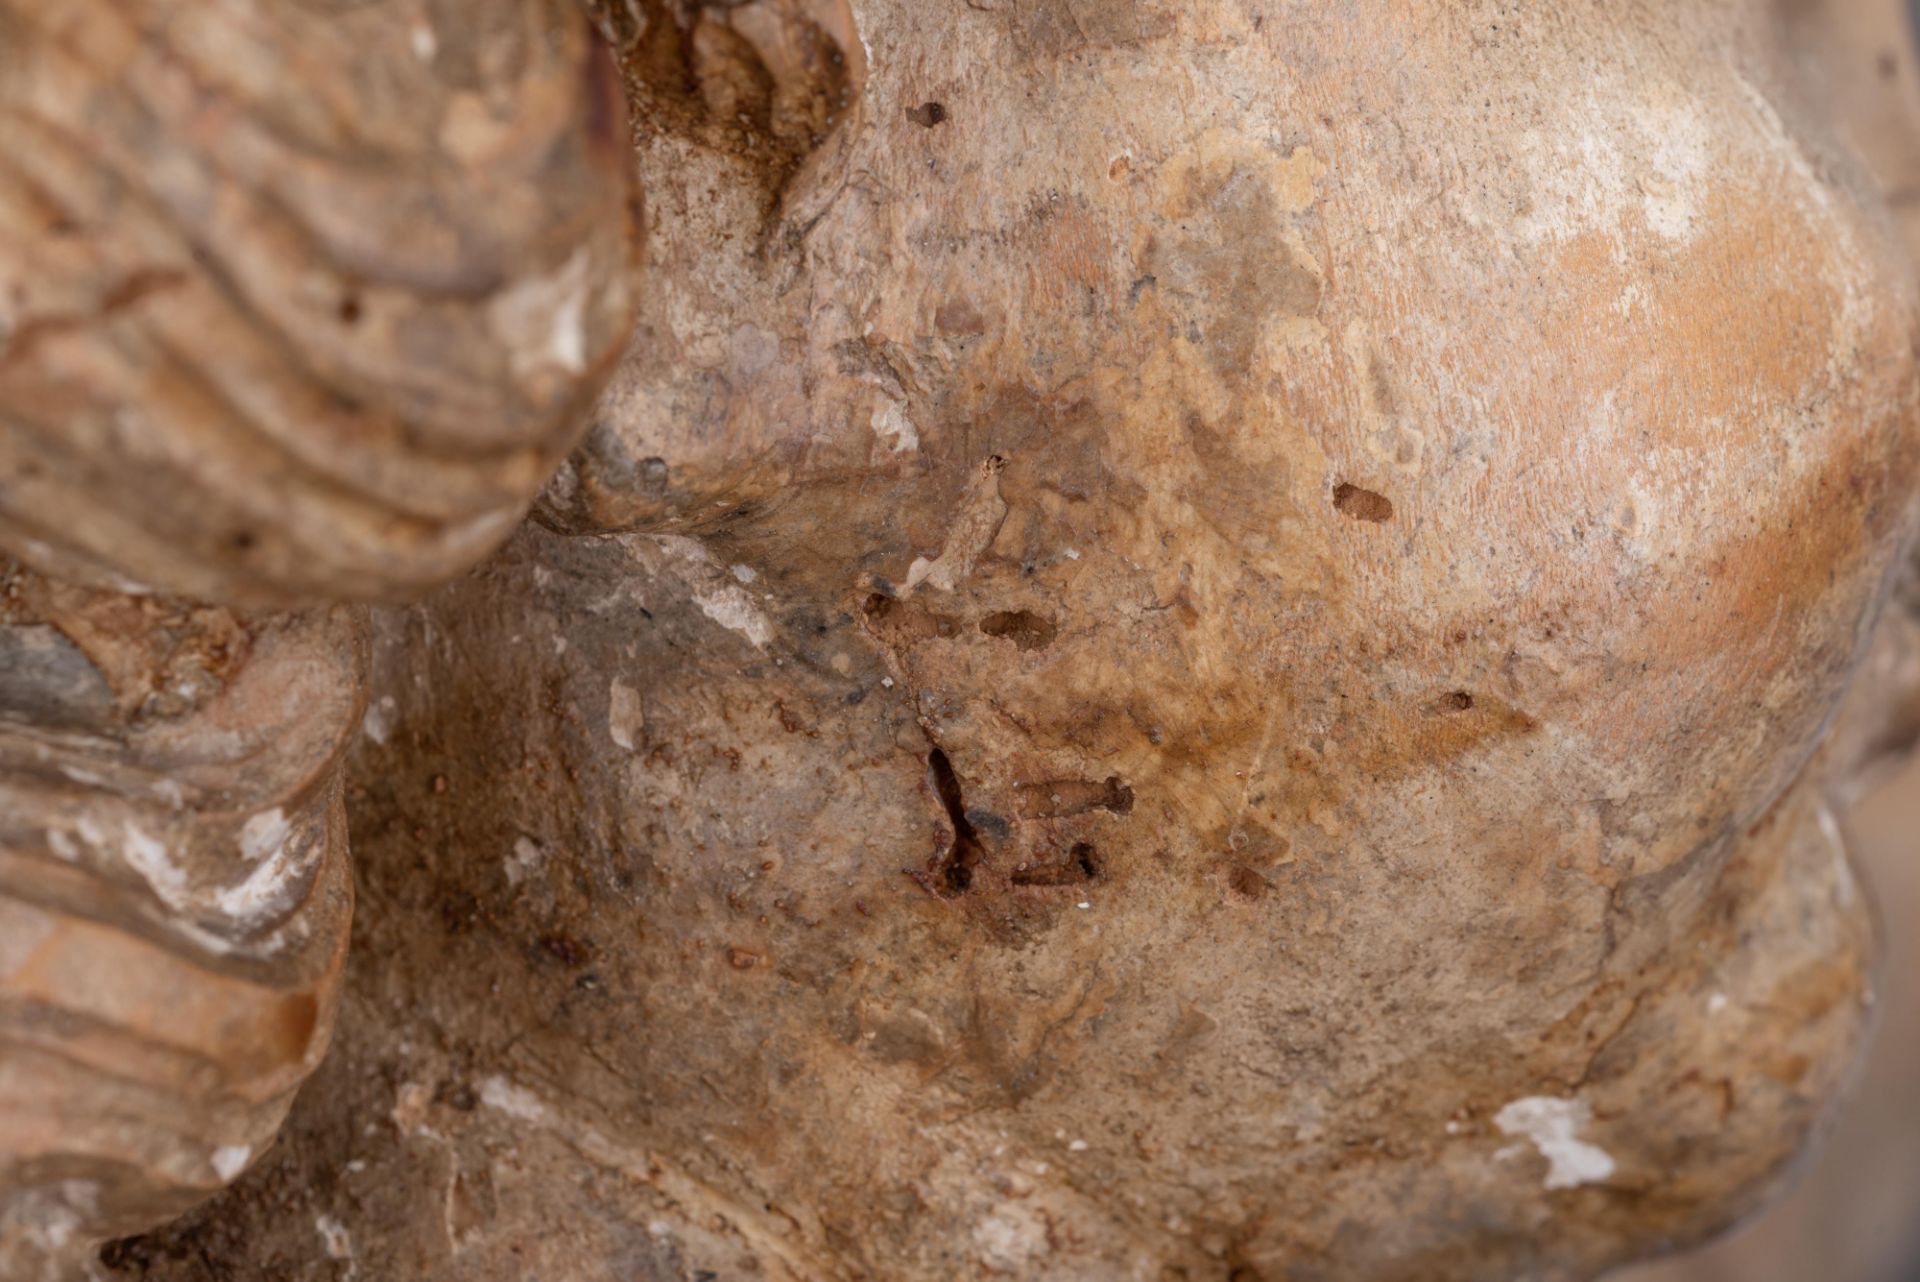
1855 1214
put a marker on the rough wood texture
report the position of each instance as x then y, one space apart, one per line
174 899
1196 643
298 303
298 300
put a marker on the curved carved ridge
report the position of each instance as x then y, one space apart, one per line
174 897
742 116
298 301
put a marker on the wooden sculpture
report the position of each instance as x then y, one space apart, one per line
1192 641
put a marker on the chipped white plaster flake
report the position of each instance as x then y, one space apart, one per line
502 1096
334 1237
229 1160
713 589
735 611
525 862
891 424
378 723
626 717
1554 1126
744 573
264 834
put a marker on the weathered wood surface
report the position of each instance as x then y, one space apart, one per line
298 301
174 898
1194 641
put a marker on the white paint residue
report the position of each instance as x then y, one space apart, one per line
334 1237
1680 153
268 889
568 346
626 717
526 861
1843 885
149 858
744 573
230 1160
891 424
711 585
1012 1238
543 321
378 723
425 43
52 1215
515 1101
734 610
1554 1125
264 834
1607 157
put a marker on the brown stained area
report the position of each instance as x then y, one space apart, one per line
1026 629
1056 798
899 623
1079 867
1113 816
1362 504
767 81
